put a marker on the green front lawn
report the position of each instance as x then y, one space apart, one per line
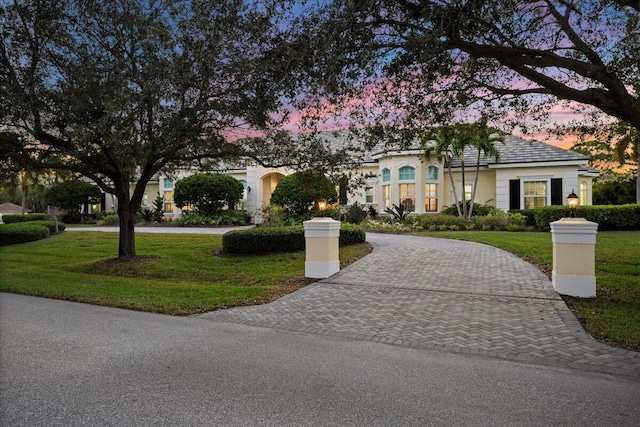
613 316
174 274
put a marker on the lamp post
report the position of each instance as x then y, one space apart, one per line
322 206
322 241
572 201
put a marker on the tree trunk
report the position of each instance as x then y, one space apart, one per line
23 191
127 242
464 189
453 188
475 185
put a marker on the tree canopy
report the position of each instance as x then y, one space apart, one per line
117 91
70 195
298 193
418 62
207 193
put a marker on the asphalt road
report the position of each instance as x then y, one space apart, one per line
70 364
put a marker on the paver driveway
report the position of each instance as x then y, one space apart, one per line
451 295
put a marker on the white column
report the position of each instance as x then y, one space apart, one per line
322 238
574 241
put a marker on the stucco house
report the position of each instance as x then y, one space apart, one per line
527 174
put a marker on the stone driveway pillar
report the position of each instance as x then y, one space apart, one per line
322 236
574 241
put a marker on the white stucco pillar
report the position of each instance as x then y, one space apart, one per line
322 237
574 241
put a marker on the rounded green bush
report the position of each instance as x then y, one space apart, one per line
51 225
280 239
208 193
13 218
12 234
355 213
298 193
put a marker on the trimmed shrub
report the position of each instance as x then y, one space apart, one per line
51 225
355 213
208 193
11 234
220 218
280 239
351 234
545 216
299 192
478 209
111 219
264 240
528 214
13 218
438 222
609 218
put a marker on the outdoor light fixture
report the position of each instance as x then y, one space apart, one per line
572 201
322 206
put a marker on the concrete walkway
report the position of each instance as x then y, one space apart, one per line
448 295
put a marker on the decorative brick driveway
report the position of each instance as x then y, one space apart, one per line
446 295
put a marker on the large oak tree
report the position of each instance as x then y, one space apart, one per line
118 90
415 62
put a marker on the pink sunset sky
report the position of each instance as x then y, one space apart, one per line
558 115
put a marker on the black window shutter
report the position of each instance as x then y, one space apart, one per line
556 191
514 194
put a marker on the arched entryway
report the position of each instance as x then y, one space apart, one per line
268 184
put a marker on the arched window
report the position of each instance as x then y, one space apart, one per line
432 173
407 189
242 204
431 189
386 188
407 173
583 193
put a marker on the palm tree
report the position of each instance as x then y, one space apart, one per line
452 140
448 143
484 140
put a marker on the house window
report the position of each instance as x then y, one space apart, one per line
242 204
168 201
583 193
408 196
386 188
431 197
368 195
407 189
431 190
386 175
145 199
407 173
468 191
168 184
432 173
535 194
386 196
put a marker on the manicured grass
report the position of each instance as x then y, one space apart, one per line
613 316
174 274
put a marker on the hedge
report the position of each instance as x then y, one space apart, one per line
13 218
280 239
528 214
609 218
51 225
11 234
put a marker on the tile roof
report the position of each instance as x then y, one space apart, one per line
514 150
518 150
